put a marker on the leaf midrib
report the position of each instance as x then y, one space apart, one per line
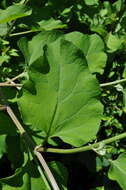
57 101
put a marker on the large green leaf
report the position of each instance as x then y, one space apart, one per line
63 102
50 24
92 47
117 170
14 12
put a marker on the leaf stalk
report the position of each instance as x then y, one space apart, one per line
112 83
3 84
82 149
22 33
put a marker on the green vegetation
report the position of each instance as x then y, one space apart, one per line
62 95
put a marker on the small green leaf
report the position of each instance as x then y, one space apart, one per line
118 5
99 29
3 29
50 24
14 12
117 170
91 2
13 52
4 58
113 43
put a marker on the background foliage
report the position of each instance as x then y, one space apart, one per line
64 55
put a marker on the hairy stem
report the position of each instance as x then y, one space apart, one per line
82 149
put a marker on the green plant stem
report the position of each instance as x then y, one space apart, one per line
22 33
10 82
15 120
82 149
15 78
113 83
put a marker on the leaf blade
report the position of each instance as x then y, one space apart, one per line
68 102
14 12
92 47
